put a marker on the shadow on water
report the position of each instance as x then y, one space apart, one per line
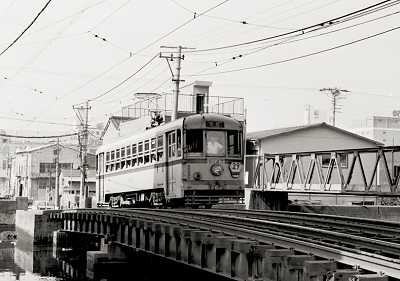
25 261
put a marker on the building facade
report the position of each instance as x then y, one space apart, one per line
33 171
70 182
385 129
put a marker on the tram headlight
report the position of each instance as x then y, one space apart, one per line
216 170
234 168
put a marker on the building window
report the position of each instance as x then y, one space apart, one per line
342 158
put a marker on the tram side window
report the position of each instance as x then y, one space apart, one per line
112 155
171 144
146 152
178 143
234 143
153 146
128 156
160 147
134 155
194 141
107 156
140 153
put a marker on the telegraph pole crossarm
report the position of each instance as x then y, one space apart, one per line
176 78
335 95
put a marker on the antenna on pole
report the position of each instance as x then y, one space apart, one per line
176 78
335 95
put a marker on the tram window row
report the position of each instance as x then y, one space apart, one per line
144 152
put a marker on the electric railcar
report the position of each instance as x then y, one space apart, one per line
192 161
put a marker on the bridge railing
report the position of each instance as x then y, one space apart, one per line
364 170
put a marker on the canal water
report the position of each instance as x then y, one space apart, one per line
22 261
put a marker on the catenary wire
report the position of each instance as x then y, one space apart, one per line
26 29
329 22
125 80
292 39
302 56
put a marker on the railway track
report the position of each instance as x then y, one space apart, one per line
326 238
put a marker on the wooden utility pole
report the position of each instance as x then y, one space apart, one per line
57 192
335 95
176 78
82 113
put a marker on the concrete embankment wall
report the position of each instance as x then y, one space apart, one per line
7 212
390 213
34 225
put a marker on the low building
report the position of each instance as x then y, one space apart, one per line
33 172
319 139
70 182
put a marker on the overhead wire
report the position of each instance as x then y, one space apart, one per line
292 39
38 137
123 81
302 56
26 29
384 4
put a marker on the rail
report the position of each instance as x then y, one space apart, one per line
371 254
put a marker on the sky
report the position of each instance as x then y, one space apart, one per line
78 50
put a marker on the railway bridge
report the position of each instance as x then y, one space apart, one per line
243 244
332 177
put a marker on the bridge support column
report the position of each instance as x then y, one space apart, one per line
273 263
318 270
157 238
186 245
293 267
198 247
344 274
241 258
259 258
165 240
223 246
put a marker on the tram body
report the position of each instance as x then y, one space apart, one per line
192 161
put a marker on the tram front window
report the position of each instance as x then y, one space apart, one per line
234 143
216 143
194 141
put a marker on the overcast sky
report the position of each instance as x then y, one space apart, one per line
56 62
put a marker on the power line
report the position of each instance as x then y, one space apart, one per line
26 29
125 80
242 22
380 5
291 40
36 121
182 25
300 57
38 137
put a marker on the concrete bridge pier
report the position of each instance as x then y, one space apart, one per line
319 270
241 258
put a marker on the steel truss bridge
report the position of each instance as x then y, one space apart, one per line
354 171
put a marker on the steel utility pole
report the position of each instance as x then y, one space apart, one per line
176 78
335 95
82 112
